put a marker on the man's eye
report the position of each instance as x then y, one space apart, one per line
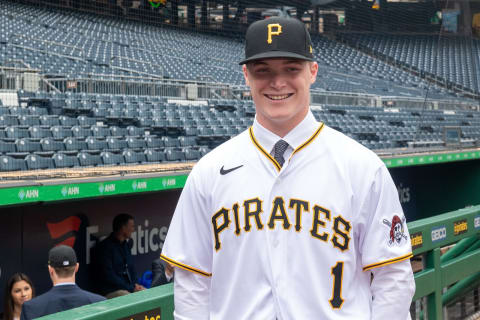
292 69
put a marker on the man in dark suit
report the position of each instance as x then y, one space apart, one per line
161 274
65 294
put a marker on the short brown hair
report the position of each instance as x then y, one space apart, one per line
65 272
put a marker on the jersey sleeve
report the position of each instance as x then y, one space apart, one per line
385 238
188 244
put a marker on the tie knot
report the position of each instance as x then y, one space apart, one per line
278 150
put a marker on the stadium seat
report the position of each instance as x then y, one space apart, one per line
60 132
65 161
81 132
35 162
88 160
170 142
191 154
115 143
74 144
187 141
174 155
153 155
136 143
95 144
49 120
39 132
28 120
16 132
49 144
154 142
7 147
118 131
132 156
27 145
68 121
11 164
100 131
109 158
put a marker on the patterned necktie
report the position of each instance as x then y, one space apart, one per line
278 151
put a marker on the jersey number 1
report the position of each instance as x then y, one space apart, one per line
337 273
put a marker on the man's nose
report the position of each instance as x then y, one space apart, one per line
278 81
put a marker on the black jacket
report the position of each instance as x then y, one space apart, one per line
114 267
158 273
59 298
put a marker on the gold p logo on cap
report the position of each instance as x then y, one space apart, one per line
273 32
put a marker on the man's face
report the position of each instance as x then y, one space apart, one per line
129 228
281 91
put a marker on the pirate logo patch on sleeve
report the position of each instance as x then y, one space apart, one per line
397 230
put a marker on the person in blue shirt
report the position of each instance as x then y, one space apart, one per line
65 294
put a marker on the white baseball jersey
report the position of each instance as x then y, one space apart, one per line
291 242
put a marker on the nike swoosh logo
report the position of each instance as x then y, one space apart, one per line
225 171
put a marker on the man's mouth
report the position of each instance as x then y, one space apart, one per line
278 96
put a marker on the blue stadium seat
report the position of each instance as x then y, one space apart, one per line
65 161
12 164
110 158
95 144
49 144
154 155
88 160
132 156
118 131
154 142
74 144
81 132
136 143
68 121
59 132
28 120
174 155
35 162
27 145
39 132
49 120
100 131
15 132
191 154
7 147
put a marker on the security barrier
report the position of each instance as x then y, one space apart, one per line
460 265
152 304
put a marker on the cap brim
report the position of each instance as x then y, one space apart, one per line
275 54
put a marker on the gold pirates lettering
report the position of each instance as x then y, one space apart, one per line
332 230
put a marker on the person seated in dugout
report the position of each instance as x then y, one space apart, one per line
114 265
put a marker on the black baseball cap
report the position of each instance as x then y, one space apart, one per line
62 256
277 38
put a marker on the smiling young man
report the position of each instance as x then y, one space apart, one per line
290 219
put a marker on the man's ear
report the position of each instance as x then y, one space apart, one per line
313 72
76 267
245 74
51 271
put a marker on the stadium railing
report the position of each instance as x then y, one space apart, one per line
152 304
458 266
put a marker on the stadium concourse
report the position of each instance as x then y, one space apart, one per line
87 97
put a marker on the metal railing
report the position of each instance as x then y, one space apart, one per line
446 277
